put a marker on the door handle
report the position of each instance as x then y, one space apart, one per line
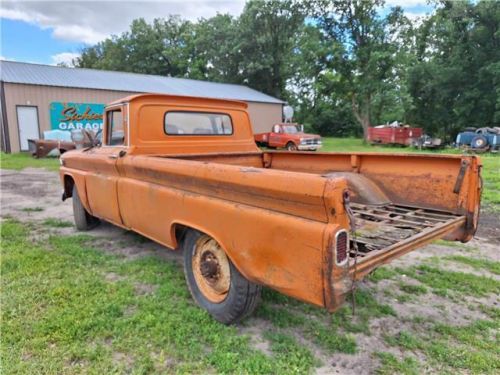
121 154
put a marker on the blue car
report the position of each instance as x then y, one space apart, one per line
482 139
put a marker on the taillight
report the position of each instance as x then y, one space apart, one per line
341 246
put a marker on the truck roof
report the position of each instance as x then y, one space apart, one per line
165 98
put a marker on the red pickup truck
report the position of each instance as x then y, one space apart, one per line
289 136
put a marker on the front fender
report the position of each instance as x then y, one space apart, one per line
78 178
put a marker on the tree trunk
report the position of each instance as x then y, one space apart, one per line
362 115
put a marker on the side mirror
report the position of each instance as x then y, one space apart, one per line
97 141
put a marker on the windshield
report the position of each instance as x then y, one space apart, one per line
290 129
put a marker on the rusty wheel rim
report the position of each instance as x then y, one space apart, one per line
211 269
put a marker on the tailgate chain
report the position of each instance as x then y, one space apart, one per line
352 225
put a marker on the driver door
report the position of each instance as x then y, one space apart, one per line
102 180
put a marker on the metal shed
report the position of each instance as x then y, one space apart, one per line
33 95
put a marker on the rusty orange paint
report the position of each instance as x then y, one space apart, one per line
275 214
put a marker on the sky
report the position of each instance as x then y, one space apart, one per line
52 32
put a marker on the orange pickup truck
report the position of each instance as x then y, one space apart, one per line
186 173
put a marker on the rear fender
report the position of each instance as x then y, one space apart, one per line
176 224
176 243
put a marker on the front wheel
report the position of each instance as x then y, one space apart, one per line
290 146
83 220
214 282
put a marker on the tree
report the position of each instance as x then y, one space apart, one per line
362 52
267 37
455 83
215 50
157 48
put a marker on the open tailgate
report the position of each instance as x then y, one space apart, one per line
387 232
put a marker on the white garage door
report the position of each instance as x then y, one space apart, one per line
27 119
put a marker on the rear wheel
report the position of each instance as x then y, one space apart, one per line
214 282
83 220
479 142
290 146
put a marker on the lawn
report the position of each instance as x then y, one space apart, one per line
69 307
24 160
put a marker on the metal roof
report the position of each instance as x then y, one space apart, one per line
48 75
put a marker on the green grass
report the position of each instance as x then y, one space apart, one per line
32 209
382 273
405 340
392 365
296 358
456 244
57 223
366 308
476 263
413 289
60 314
491 178
452 283
473 348
331 144
23 160
332 332
69 307
283 312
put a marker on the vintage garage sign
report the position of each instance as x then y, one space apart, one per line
72 116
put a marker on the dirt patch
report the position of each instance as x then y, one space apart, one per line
123 359
163 363
27 191
255 331
34 195
144 289
113 277
130 311
428 306
489 228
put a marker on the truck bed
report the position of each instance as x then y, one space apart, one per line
415 185
410 212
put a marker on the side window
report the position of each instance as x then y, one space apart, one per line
197 123
276 129
115 132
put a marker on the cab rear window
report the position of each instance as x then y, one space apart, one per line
197 123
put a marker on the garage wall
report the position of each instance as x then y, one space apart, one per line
262 115
41 97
